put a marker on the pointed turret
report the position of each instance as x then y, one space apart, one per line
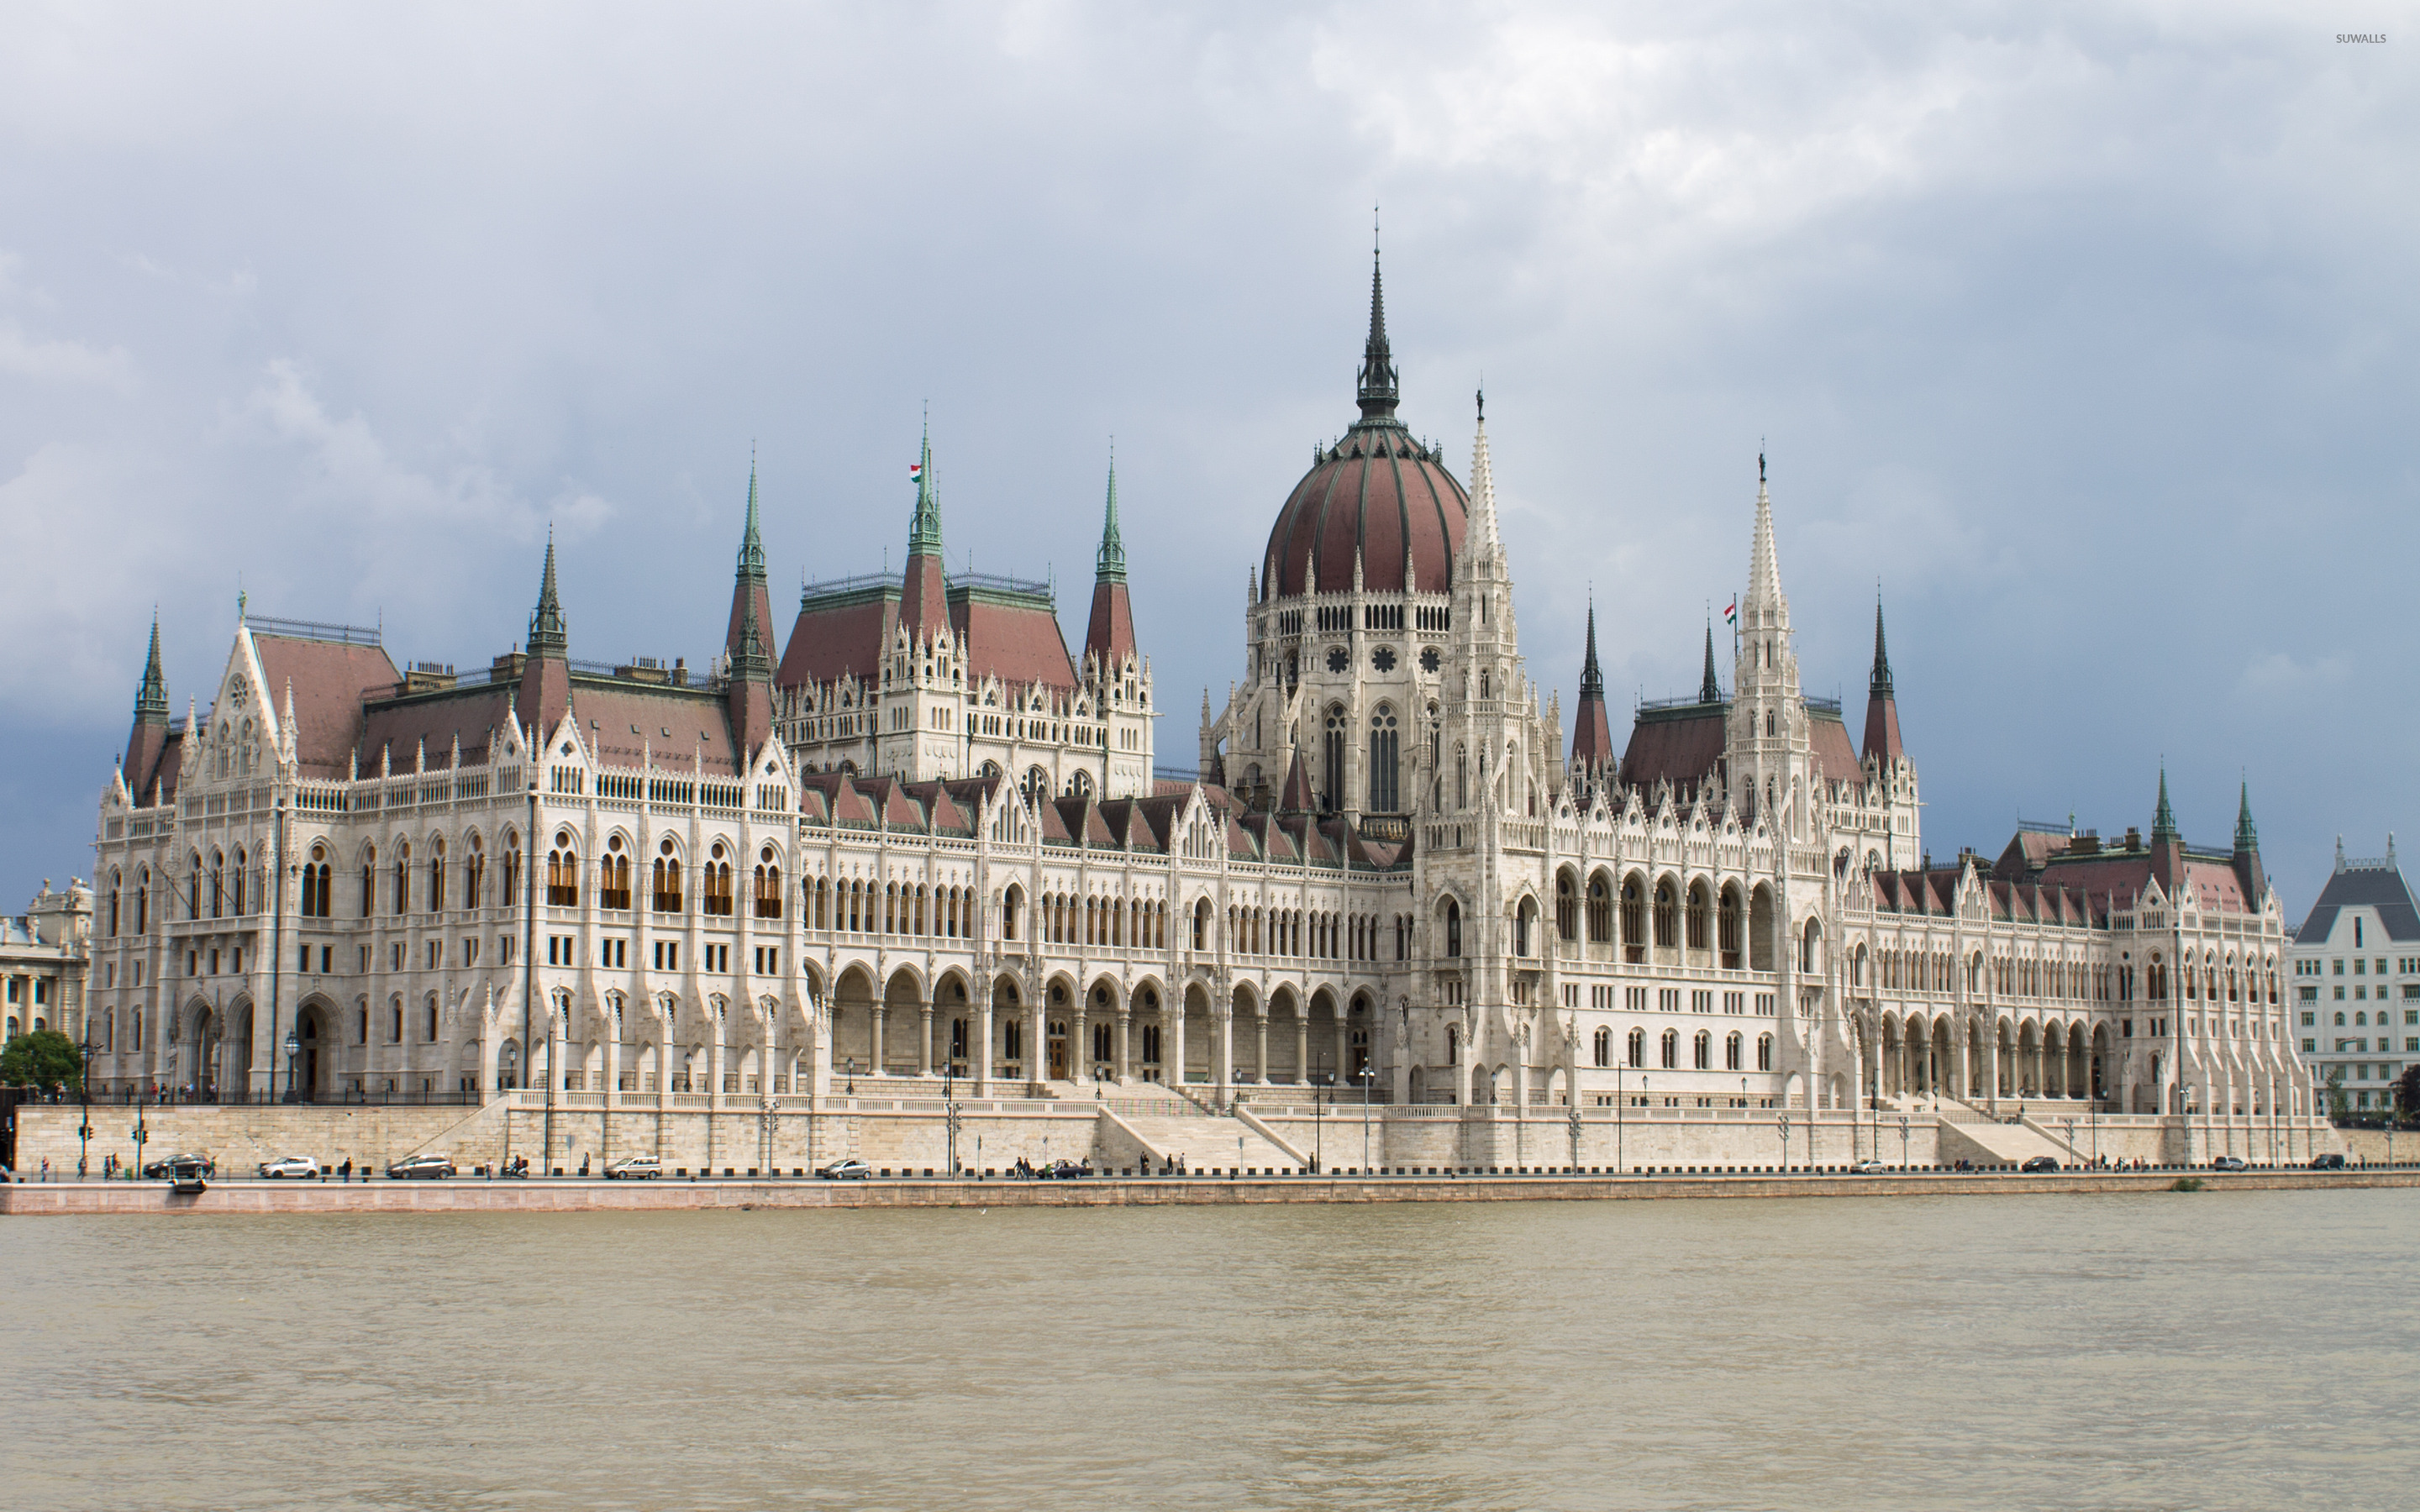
1591 733
545 693
2247 851
1767 608
750 692
1379 385
150 734
924 603
1109 636
749 590
1297 797
1882 703
1483 488
1709 688
2167 845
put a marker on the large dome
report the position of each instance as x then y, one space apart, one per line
1381 494
1378 496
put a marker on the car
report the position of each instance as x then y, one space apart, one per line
1868 1167
423 1167
2327 1163
2228 1163
164 1168
1062 1170
2041 1163
635 1169
850 1169
300 1166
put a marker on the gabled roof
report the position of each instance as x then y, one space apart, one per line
331 681
1834 758
1679 743
2380 887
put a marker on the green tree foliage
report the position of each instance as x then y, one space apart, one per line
2407 1091
44 1058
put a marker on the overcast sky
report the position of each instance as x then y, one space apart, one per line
2088 333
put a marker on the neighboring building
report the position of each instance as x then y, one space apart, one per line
44 954
932 842
2356 983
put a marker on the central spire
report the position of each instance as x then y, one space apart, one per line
1379 392
752 546
1591 675
1881 685
2164 821
1110 566
2247 837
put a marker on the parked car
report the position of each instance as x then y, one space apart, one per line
1063 1170
300 1166
2327 1163
2228 1163
846 1170
635 1169
1868 1167
424 1167
2041 1163
160 1170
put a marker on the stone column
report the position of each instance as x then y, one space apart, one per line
1079 1049
1038 1045
1125 1057
983 1049
1260 1042
1223 1054
1302 1043
1171 1041
925 1048
874 1018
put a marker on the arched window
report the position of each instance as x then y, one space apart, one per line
1382 760
142 903
112 902
1452 928
1600 911
1668 915
1461 777
614 876
1727 928
1702 1048
236 893
1765 1052
431 1036
1671 1049
512 870
474 876
1331 790
716 897
1633 921
563 873
403 878
1522 917
1638 1048
768 885
1603 1044
194 891
218 884
668 898
369 880
1036 786
1808 948
1567 908
1731 1052
1699 916
437 878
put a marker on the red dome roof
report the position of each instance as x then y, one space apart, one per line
1378 492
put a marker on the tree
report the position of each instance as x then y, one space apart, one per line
2407 1091
44 1058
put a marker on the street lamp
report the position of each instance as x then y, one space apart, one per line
1902 1141
293 1052
2071 1133
1784 1125
83 1129
1366 1077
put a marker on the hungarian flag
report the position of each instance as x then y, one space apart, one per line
915 470
1730 613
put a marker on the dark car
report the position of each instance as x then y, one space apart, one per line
2228 1163
2327 1163
846 1170
1063 1170
422 1168
2041 1163
162 1169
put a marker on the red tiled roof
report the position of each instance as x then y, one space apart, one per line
835 637
1882 728
329 679
432 722
607 708
1016 643
1834 758
1682 744
1376 503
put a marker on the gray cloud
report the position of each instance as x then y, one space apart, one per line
2087 331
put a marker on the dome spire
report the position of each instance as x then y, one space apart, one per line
1379 392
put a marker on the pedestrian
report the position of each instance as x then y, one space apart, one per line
46 1167
583 1164
345 1170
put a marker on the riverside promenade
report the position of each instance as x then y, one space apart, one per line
577 1194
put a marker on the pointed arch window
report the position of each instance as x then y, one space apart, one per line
1332 794
1671 1049
1637 1049
1452 928
614 876
218 884
768 885
715 886
1385 764
668 881
563 873
1567 910
1600 911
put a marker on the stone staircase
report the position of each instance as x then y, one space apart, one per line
1151 1124
1968 1132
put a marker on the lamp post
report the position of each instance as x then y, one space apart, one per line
1784 1125
83 1089
852 1075
1902 1141
1366 1074
2071 1133
1318 1130
950 1114
293 1052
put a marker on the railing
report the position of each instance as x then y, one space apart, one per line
129 1097
349 635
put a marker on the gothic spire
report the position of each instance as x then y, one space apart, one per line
2163 822
1591 675
2248 838
547 635
1482 486
1591 738
1110 566
1881 685
152 698
1710 690
1379 389
925 529
752 546
1767 610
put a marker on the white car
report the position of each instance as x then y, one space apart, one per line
300 1166
1868 1167
635 1169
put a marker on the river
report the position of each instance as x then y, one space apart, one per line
2250 1349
